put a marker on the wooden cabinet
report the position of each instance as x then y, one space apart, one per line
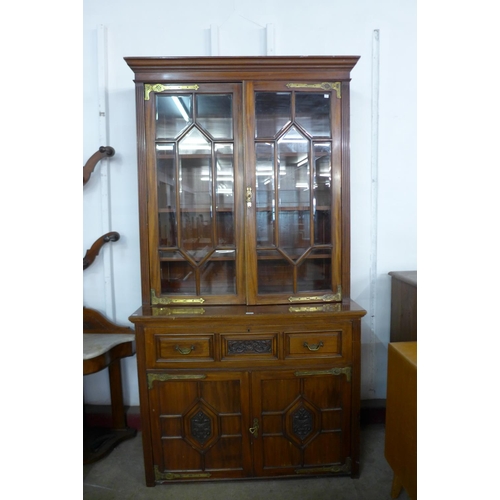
247 340
403 306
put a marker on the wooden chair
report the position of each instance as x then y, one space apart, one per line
104 345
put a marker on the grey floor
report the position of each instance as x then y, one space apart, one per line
121 476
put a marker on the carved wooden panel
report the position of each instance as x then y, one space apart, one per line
200 426
258 346
303 420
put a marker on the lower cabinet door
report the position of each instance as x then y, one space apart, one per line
199 425
301 422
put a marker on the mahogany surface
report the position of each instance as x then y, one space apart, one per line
257 376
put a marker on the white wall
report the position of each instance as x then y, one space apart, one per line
383 139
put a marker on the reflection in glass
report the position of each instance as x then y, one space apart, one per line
274 273
314 274
215 114
177 277
174 113
294 193
195 189
312 112
322 173
264 196
224 175
165 174
218 277
273 110
167 229
293 159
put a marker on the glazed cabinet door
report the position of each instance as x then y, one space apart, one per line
199 425
194 177
294 147
301 422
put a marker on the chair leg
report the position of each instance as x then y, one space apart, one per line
115 386
99 442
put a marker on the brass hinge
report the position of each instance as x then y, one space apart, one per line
162 377
334 371
177 311
346 468
165 300
167 476
320 298
325 308
158 87
325 86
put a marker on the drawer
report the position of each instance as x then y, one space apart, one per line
180 349
319 344
237 347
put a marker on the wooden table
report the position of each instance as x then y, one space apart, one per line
401 417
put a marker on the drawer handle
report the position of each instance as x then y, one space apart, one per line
314 347
255 429
184 350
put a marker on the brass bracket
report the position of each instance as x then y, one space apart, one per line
325 86
167 476
162 377
158 87
334 371
318 298
165 301
177 311
325 308
346 468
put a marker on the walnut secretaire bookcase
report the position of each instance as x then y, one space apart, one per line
248 345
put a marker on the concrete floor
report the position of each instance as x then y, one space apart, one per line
121 476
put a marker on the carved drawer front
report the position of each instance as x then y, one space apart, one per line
321 344
171 348
254 346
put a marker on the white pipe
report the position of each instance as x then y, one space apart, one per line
374 203
107 253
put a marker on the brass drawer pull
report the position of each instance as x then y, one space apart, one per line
255 429
314 347
184 350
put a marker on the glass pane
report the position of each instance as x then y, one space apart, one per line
273 110
165 175
225 228
312 112
295 234
274 273
314 274
195 190
174 113
264 197
177 277
167 229
293 159
294 193
218 277
322 192
215 114
224 175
